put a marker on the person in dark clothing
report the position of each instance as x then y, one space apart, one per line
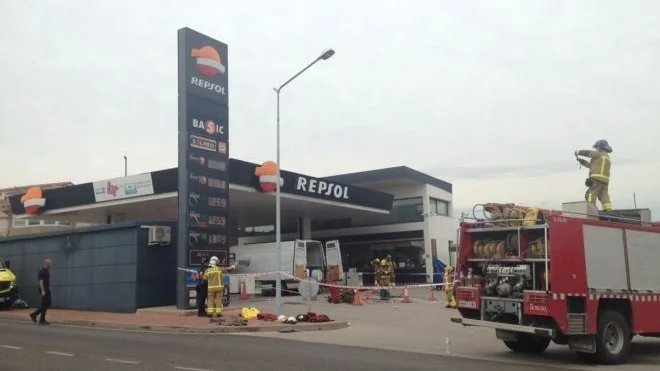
202 288
44 292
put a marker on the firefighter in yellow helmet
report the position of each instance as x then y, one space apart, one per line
214 279
448 286
390 269
599 173
385 278
375 264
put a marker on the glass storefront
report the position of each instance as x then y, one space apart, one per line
408 256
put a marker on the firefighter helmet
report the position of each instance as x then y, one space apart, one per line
604 145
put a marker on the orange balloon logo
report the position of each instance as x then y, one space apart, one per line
33 200
267 174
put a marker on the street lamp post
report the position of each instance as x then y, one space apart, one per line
278 222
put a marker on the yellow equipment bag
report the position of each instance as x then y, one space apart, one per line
250 313
531 216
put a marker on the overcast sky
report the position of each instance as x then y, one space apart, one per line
493 96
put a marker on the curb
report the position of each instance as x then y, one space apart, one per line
187 329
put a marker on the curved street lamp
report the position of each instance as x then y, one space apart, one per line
327 54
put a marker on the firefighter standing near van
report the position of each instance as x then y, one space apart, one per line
375 264
213 278
599 173
390 269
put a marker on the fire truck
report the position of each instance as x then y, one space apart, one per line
576 277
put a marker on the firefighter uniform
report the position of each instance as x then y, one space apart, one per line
599 173
213 278
390 269
384 279
375 264
448 286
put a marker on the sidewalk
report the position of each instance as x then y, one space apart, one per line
162 321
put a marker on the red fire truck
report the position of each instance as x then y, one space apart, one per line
583 279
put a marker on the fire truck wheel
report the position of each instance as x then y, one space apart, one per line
528 344
613 338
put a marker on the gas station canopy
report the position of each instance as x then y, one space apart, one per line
155 198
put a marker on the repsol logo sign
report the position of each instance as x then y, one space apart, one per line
321 187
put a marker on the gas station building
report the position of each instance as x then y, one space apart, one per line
110 266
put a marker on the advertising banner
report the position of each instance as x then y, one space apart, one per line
203 154
121 188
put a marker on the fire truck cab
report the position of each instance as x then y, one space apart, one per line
577 277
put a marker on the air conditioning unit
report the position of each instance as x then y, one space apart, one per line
160 235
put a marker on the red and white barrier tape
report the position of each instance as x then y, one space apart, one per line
364 287
290 276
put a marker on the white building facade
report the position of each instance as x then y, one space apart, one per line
417 233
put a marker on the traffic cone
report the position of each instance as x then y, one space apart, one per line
244 294
432 296
405 298
356 298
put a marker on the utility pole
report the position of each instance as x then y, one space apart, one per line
635 200
125 166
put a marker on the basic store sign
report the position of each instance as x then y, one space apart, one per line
322 187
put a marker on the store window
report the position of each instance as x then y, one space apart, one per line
263 230
22 223
405 210
406 254
439 207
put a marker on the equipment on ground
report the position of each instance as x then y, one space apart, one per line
577 277
300 259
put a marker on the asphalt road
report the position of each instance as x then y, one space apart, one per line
27 346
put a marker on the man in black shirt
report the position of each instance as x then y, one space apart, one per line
202 288
44 292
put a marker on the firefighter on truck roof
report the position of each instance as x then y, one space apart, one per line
599 173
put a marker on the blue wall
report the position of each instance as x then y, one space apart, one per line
156 274
106 268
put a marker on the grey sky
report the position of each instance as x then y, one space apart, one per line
493 96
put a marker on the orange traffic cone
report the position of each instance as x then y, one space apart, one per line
405 298
432 296
356 298
244 294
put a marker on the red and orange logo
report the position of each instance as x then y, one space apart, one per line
267 174
208 61
33 200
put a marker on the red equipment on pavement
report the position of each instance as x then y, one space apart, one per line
587 280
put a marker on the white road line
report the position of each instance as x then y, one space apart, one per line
60 354
122 361
190 369
9 347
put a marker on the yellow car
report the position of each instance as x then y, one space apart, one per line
8 288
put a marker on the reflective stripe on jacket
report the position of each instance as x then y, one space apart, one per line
599 165
213 276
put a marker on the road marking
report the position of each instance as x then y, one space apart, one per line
60 354
190 369
122 361
9 347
